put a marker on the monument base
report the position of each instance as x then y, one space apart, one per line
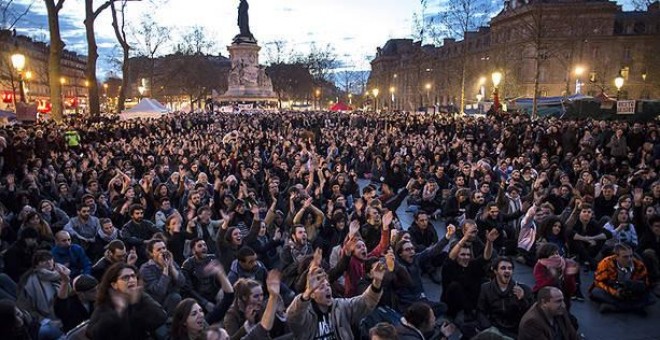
248 81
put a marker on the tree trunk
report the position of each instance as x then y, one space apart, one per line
93 102
462 110
121 38
537 71
54 57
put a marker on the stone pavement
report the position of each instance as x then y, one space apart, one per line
593 324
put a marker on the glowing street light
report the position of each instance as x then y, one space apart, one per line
618 82
375 93
497 78
18 61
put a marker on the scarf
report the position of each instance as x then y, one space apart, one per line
555 264
355 273
106 238
40 289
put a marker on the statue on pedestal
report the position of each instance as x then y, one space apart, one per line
244 24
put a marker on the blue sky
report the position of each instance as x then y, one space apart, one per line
354 28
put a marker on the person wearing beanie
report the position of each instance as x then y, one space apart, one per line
75 301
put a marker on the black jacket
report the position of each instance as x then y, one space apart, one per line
136 322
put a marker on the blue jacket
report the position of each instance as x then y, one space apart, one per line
73 258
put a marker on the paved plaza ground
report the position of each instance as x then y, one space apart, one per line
593 324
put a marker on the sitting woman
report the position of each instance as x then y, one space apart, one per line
552 269
122 311
622 231
188 321
553 231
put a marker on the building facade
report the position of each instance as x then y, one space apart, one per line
567 46
73 65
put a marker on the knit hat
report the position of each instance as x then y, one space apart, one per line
83 283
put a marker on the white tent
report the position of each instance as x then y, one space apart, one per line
146 108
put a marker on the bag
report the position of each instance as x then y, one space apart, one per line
380 314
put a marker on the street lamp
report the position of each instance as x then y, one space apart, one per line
579 70
318 99
497 78
428 90
618 82
350 99
18 61
645 94
392 89
141 90
375 93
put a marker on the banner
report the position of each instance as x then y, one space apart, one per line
26 112
625 107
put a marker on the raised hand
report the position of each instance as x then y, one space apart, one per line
315 278
377 274
273 282
451 230
316 259
492 235
518 291
353 228
387 220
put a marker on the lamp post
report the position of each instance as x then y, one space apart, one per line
18 61
318 99
375 93
618 82
62 82
497 78
350 99
428 91
141 90
392 89
579 70
645 94
479 98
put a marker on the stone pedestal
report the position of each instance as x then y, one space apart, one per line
247 79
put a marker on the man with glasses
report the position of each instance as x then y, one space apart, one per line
621 283
412 262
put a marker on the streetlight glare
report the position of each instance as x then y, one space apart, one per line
375 92
28 75
618 82
579 70
428 86
18 61
482 80
62 80
497 78
392 89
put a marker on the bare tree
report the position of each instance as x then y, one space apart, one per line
320 62
149 38
10 14
195 40
92 54
454 20
641 5
346 80
119 25
276 52
54 57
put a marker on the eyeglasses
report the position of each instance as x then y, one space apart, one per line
408 249
128 277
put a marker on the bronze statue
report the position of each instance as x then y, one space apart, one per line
243 20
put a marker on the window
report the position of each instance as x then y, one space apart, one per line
625 72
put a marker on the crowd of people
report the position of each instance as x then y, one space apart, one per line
287 225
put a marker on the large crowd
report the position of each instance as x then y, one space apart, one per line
287 225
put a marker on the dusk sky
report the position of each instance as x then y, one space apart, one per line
354 28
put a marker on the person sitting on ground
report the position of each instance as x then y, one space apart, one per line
74 303
70 255
555 271
503 301
621 283
315 314
419 323
463 274
162 277
122 310
115 252
383 331
547 319
199 284
649 248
